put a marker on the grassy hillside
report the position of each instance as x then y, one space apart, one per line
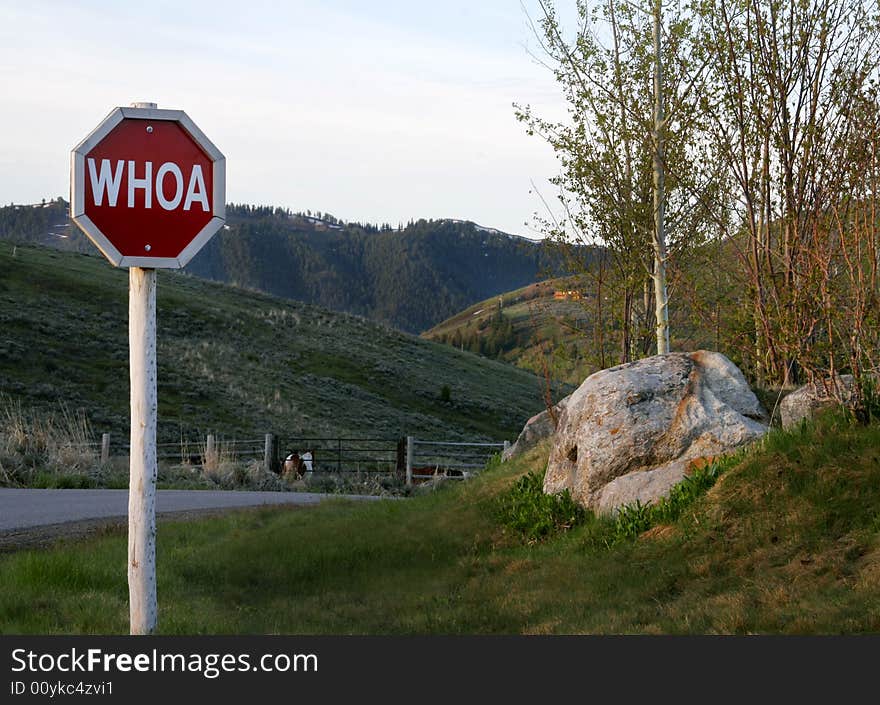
527 327
786 541
238 363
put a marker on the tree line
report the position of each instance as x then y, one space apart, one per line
410 279
490 336
725 155
243 211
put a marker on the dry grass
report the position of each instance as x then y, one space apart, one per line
60 450
661 531
61 444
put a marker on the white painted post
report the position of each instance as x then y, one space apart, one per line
409 460
267 454
143 609
105 448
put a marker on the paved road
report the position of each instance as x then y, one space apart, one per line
23 508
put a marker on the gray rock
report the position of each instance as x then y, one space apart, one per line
644 486
803 403
627 432
536 429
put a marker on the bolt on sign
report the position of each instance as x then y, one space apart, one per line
148 188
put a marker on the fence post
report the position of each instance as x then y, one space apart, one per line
267 456
209 450
105 448
409 460
400 460
506 448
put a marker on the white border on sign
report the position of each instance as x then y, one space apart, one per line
78 180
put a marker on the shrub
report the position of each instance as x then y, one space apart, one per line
255 477
535 516
867 406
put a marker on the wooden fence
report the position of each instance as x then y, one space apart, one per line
426 460
379 455
195 452
417 459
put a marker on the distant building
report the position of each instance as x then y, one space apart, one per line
569 294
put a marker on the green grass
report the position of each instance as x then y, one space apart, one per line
785 541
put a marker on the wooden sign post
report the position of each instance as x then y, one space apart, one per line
143 608
149 190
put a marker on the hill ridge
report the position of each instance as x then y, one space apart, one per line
409 278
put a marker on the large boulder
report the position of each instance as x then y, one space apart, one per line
536 429
803 403
630 432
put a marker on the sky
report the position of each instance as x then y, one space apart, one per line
377 111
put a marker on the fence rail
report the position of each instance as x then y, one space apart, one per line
347 454
428 460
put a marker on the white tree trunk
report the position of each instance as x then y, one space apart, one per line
143 610
661 301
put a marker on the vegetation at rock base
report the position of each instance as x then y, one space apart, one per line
632 520
525 509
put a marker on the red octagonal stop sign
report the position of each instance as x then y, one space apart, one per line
148 188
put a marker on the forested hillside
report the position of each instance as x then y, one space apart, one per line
544 327
410 278
45 223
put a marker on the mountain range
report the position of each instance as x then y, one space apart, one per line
411 277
